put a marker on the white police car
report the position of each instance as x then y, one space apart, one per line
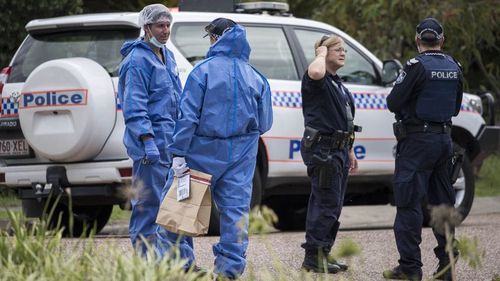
61 127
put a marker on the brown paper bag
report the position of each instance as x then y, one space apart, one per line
190 216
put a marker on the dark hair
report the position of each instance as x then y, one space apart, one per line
431 44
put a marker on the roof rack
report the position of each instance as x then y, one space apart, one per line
272 8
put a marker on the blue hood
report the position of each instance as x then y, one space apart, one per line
130 45
233 43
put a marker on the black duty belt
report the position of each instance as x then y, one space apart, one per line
437 128
337 140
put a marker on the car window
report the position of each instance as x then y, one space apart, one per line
102 46
357 68
190 42
270 53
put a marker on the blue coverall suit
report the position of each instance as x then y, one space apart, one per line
327 106
426 95
148 90
225 106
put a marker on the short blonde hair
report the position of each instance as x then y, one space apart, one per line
328 41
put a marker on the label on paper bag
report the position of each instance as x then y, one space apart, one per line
183 188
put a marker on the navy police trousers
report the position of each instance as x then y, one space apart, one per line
325 202
422 172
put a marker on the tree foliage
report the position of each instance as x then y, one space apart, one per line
387 27
16 14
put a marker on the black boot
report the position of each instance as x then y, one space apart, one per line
342 266
398 274
315 260
326 251
446 275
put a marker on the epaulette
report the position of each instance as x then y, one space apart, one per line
411 62
459 65
450 58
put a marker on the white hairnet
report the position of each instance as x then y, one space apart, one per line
154 13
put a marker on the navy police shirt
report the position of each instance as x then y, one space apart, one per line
412 82
324 103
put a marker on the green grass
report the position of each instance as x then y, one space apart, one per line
37 253
8 201
119 214
4 213
488 180
8 198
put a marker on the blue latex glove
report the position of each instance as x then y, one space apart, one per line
152 153
179 166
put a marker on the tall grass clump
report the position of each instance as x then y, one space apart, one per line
35 252
488 177
443 220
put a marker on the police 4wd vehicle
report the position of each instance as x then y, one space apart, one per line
61 127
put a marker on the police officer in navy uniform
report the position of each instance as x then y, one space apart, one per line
426 95
326 149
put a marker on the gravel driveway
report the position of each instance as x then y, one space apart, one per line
272 251
268 253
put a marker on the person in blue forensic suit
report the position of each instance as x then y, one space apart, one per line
224 108
426 95
148 89
326 149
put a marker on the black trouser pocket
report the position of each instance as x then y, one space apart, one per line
405 189
404 193
325 175
326 169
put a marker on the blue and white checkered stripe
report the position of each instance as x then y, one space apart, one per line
118 104
287 99
9 107
466 105
279 99
369 101
362 100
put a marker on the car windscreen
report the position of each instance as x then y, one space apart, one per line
102 46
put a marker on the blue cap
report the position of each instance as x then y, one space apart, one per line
218 26
429 30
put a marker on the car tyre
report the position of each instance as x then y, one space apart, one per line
291 211
82 220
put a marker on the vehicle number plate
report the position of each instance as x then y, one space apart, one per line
14 147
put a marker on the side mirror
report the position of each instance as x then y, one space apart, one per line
390 71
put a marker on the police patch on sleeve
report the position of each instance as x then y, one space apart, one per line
411 62
401 77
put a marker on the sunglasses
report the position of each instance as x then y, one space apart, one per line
323 39
326 37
